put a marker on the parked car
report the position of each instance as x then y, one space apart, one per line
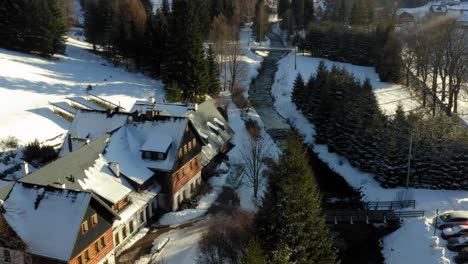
455 231
451 218
457 243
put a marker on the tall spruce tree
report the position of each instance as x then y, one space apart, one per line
254 254
214 86
283 6
186 62
291 213
298 9
309 12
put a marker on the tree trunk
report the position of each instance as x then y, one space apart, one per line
407 77
434 90
443 87
451 93
455 100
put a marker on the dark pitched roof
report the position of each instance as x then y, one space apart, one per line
81 170
210 125
66 171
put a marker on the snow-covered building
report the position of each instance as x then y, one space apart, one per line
58 225
87 169
209 123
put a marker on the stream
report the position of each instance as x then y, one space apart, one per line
355 243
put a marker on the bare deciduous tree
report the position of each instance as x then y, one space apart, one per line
255 155
226 238
237 69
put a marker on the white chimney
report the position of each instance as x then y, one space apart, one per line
25 168
115 168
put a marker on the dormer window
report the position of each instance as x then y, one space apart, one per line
219 123
213 128
157 147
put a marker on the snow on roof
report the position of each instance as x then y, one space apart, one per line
95 124
68 169
83 102
213 127
157 143
169 109
100 180
418 12
63 106
89 171
125 145
49 230
214 136
219 122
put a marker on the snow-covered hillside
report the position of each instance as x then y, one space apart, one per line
29 82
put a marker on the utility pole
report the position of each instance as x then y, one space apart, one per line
409 160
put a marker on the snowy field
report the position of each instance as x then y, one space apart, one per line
29 82
414 241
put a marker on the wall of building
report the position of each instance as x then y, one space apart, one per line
188 188
106 253
118 234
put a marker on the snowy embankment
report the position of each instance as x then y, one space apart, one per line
29 82
414 241
237 119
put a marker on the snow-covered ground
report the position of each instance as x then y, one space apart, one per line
29 82
388 95
414 241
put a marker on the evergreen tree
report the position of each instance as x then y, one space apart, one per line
159 42
390 66
98 21
291 214
298 9
186 62
214 86
309 12
32 26
216 8
204 18
361 14
283 6
254 253
165 8
298 90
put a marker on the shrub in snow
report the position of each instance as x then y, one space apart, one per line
226 238
253 128
239 99
10 142
34 151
